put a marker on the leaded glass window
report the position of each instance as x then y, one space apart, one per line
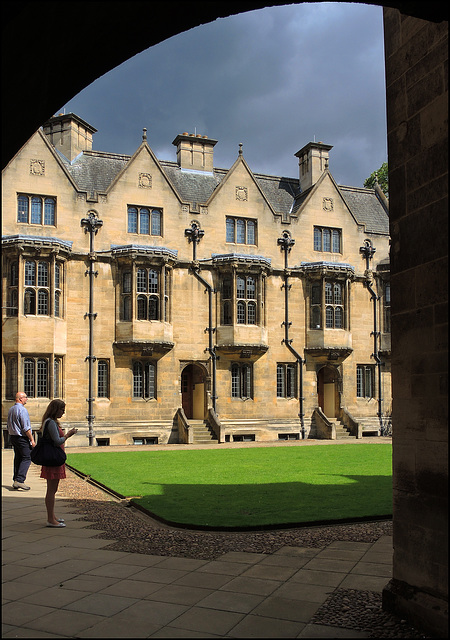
327 239
143 221
102 379
365 381
286 380
35 209
144 380
241 381
240 230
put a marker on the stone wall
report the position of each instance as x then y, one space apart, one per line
417 94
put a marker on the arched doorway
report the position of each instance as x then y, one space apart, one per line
193 391
328 390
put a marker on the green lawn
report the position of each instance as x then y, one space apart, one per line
258 486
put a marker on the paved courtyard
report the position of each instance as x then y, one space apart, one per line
63 583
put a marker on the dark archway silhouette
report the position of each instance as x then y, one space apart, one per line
52 50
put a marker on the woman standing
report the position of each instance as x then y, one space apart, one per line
52 429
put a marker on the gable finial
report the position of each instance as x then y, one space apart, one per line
240 148
144 134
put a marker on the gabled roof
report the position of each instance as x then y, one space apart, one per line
95 171
363 204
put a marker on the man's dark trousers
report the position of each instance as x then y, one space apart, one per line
22 457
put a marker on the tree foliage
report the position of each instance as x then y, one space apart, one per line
380 176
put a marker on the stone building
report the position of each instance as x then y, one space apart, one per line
173 301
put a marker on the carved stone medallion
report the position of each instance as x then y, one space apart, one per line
328 204
37 167
145 180
241 193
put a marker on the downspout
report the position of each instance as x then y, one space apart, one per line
91 224
286 243
195 234
368 250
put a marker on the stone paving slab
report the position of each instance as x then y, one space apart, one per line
63 583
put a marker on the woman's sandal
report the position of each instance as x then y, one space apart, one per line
59 525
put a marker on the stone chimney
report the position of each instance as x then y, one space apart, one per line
312 161
194 152
69 134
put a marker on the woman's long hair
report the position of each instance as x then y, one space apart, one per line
55 407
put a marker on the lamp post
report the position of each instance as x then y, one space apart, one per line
194 235
91 225
286 243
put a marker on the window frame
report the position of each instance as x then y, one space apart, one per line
242 231
240 302
242 380
365 381
328 304
43 284
287 380
148 293
145 220
387 307
36 210
12 376
325 239
36 379
103 378
145 290
146 387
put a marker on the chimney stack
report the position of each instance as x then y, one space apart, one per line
313 161
194 152
69 134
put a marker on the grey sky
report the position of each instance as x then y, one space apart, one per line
273 79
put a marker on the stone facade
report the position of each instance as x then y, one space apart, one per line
189 282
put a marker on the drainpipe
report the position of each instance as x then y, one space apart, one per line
368 250
91 225
195 234
286 243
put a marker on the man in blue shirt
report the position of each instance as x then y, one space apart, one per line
21 436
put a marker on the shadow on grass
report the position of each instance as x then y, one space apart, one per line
276 505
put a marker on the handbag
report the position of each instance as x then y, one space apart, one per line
47 454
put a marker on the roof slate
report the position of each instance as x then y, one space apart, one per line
94 171
366 208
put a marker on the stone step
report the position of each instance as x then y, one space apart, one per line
342 433
201 432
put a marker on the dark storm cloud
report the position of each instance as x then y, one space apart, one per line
272 79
